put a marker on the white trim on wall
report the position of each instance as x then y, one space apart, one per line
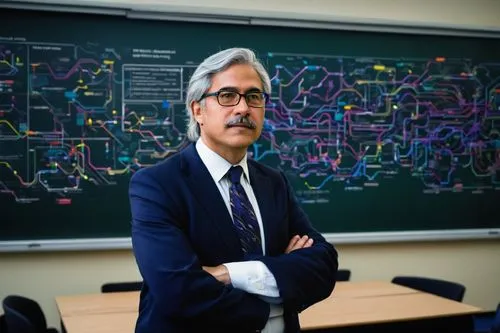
125 243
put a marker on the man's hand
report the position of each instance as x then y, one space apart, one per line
298 242
219 272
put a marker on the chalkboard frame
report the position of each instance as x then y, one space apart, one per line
337 238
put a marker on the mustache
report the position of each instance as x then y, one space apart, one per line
241 120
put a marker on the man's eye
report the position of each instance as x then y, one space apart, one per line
227 95
254 97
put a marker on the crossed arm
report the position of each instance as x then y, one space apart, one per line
221 272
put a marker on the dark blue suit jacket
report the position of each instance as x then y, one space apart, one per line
181 223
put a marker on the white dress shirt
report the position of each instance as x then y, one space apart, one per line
251 276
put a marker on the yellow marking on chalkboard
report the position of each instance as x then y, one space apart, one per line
6 164
9 124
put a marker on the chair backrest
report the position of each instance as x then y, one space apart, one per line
343 275
496 322
447 289
3 324
113 287
23 315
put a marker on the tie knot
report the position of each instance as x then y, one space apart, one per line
235 174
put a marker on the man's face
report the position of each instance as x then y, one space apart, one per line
215 119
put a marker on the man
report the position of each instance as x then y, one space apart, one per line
219 239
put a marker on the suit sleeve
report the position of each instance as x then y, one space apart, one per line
170 268
308 275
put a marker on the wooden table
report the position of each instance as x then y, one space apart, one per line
76 305
119 322
351 303
101 303
341 312
369 289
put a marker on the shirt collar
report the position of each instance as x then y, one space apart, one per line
217 166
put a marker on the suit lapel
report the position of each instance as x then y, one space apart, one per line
207 194
263 190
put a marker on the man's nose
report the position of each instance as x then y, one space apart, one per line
242 107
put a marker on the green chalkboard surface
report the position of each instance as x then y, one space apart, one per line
378 132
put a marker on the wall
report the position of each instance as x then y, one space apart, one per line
43 276
475 14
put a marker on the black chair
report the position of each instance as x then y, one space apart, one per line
3 324
343 275
483 321
24 315
487 322
496 322
113 287
447 289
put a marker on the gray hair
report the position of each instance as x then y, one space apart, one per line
201 80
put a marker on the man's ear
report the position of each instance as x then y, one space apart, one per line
196 107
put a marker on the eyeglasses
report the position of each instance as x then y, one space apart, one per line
256 99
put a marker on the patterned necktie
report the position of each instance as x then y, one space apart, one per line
244 218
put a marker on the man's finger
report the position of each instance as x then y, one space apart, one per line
309 242
300 243
292 243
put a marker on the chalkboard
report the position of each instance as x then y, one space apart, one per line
378 132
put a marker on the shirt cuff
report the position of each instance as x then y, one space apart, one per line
253 277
